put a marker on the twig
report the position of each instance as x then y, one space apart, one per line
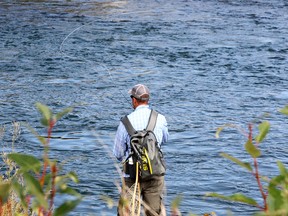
256 173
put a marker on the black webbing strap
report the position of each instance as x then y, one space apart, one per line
128 125
150 126
152 120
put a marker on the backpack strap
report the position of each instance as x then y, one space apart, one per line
131 131
152 120
128 125
150 126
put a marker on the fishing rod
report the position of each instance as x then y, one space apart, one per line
121 92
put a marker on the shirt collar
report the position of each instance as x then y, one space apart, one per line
142 107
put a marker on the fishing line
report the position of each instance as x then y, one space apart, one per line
108 71
76 29
104 66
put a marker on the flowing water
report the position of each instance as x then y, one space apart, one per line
207 63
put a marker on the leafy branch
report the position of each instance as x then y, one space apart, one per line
275 196
42 181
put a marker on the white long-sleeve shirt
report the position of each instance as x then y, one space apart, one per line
139 120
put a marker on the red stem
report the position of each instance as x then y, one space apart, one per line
9 207
42 179
40 210
50 128
256 173
0 207
54 173
27 199
264 196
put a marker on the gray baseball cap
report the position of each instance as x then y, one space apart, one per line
140 92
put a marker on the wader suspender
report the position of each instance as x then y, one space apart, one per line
150 126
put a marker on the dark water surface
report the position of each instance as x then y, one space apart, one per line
207 63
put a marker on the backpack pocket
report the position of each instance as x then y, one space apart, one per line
130 167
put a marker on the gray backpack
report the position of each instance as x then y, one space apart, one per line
144 150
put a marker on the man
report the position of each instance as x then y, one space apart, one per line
151 190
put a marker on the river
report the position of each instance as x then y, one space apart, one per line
206 62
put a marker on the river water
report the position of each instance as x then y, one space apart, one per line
207 63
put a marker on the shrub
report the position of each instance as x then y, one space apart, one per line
275 196
30 185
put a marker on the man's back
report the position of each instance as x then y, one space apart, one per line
139 120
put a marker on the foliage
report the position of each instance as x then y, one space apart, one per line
275 196
33 183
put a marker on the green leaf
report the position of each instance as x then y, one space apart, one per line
284 110
274 199
261 213
176 202
264 128
252 150
73 176
64 112
26 162
276 181
47 182
108 200
244 199
235 197
34 132
219 130
42 140
19 190
4 192
62 179
44 122
45 111
70 191
66 207
237 161
35 189
282 168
